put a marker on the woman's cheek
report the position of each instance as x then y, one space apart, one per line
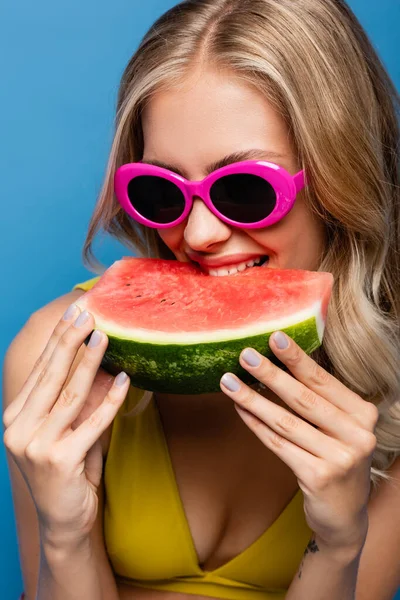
173 238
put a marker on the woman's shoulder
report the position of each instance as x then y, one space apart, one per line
55 308
50 313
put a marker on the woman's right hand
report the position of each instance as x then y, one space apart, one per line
62 466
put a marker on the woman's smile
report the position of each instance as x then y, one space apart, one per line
229 265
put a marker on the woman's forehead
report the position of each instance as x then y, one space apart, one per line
212 118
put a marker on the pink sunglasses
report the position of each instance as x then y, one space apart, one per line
247 194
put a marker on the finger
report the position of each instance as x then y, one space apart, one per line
52 378
299 460
303 401
283 423
73 397
101 385
316 378
18 403
83 437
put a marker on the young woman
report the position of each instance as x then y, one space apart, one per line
198 500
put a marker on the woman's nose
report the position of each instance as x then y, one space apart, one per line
203 228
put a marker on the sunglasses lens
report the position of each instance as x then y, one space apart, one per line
243 197
156 198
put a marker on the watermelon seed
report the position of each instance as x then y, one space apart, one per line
140 295
128 284
163 300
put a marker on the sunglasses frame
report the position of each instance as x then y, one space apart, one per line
286 187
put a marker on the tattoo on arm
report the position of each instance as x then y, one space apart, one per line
311 547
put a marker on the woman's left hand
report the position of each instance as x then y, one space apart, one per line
332 460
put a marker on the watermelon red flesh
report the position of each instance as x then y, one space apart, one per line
155 296
175 329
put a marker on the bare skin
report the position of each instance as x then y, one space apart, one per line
210 116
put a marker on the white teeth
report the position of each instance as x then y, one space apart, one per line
219 272
234 268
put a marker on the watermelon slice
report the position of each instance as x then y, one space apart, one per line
175 329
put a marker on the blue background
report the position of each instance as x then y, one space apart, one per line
61 65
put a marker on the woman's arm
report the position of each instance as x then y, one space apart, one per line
21 355
69 572
325 574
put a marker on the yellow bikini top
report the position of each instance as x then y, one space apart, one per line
146 531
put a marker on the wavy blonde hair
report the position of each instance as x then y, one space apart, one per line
314 62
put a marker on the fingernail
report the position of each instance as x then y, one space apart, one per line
230 382
251 358
280 340
81 320
69 313
121 378
95 339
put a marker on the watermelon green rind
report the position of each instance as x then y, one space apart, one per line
180 368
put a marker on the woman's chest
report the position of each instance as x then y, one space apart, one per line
227 508
232 489
225 513
228 490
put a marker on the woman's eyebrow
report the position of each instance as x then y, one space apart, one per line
253 154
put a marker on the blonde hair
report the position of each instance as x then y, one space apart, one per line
314 62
